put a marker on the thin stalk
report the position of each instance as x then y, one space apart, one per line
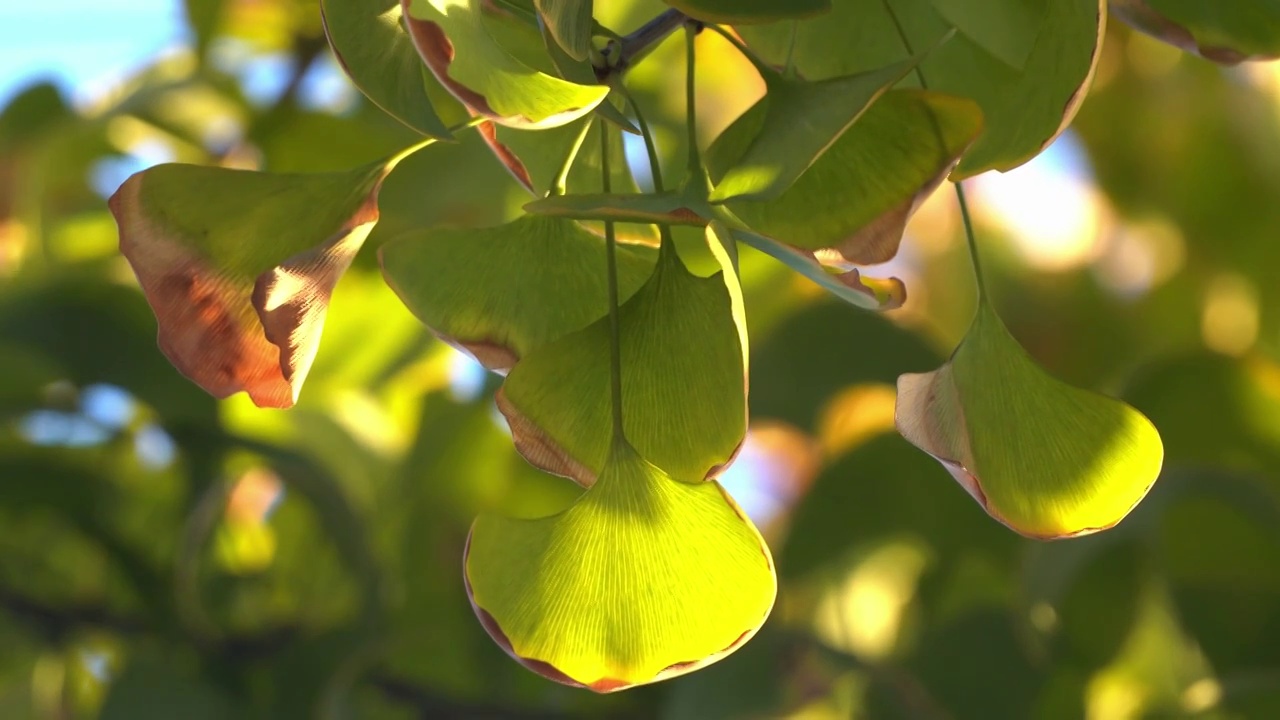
615 333
691 100
633 47
562 175
390 163
789 69
650 146
970 238
973 243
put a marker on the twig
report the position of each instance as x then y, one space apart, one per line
619 56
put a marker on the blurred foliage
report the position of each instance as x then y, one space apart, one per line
166 555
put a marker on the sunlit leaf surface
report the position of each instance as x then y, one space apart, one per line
1027 63
453 41
1040 456
239 266
686 412
644 578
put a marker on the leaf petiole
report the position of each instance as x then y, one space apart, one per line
611 258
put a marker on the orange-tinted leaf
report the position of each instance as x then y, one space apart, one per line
238 267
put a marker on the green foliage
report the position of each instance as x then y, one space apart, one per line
538 200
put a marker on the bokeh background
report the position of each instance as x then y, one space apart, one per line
164 555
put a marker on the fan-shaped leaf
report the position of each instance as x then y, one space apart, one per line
238 267
1027 63
683 379
642 579
501 292
451 38
369 40
1225 32
1044 458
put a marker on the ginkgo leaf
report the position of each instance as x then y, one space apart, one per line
684 365
798 122
370 42
238 267
451 38
644 578
1225 32
570 23
502 292
852 204
1044 458
749 11
1027 63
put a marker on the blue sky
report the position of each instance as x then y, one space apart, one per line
82 44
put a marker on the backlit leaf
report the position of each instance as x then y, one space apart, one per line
451 38
684 369
370 42
1040 456
501 292
1027 63
642 579
238 267
1225 32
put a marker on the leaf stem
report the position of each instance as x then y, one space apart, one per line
562 175
655 170
691 100
970 238
789 69
390 163
973 243
635 46
615 334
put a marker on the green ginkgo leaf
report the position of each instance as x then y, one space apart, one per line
1027 63
1225 32
684 365
570 23
502 292
370 42
852 204
1044 458
644 578
749 11
800 122
238 266
452 39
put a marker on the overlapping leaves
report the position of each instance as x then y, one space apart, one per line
1027 64
453 41
683 379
